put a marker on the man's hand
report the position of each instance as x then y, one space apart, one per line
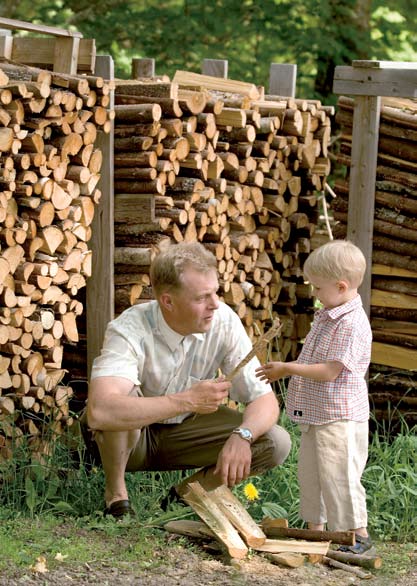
206 396
234 461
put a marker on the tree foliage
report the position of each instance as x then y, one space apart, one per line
316 35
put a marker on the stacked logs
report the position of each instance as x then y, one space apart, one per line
49 171
394 291
219 162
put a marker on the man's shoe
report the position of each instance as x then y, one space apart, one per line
363 546
172 497
119 509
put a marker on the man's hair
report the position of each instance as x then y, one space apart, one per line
168 265
337 260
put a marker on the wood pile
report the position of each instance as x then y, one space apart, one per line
49 171
216 160
392 381
225 522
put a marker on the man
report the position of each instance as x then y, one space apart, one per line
156 399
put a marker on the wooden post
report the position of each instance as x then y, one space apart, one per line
215 67
367 81
6 43
282 79
66 54
100 286
143 68
362 184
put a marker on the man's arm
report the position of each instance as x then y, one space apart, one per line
110 408
234 461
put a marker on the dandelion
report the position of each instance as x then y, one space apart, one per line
251 492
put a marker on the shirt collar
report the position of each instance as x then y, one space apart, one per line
336 312
172 338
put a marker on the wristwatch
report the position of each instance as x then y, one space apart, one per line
244 433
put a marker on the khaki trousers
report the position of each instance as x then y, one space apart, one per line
331 461
197 441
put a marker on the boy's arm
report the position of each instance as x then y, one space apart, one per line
321 371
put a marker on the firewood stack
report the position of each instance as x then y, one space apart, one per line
49 170
394 287
215 160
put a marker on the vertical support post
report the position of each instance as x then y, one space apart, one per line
6 43
364 156
66 54
282 79
215 67
143 68
100 286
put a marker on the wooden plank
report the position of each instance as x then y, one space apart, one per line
12 24
378 269
395 356
66 55
362 183
189 79
362 81
238 516
199 499
391 299
100 286
294 546
282 79
41 51
385 64
215 67
6 44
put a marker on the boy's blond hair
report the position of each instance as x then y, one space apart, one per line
337 260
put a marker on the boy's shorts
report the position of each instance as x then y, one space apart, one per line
331 461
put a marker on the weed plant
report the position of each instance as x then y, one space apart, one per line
63 482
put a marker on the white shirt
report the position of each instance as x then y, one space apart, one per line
141 347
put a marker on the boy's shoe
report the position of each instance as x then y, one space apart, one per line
363 546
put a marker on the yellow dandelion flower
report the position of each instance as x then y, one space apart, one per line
251 492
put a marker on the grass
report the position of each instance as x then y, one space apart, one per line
55 506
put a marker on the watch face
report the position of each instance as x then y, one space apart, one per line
244 433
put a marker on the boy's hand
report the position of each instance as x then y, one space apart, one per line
271 371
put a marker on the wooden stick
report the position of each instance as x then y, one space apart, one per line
342 537
346 568
374 562
260 344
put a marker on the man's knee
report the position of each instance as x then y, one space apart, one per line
281 444
270 450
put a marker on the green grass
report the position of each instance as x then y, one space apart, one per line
56 506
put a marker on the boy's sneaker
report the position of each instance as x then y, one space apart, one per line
363 546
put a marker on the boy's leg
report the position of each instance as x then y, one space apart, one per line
312 508
342 451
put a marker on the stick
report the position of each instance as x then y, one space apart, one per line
260 344
353 558
346 567
342 537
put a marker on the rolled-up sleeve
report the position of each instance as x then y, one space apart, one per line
117 358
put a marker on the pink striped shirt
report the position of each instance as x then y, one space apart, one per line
343 334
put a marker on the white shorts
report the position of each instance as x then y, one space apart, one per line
331 461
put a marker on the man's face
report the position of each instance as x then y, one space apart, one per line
191 309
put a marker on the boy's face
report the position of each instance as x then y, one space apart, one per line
331 293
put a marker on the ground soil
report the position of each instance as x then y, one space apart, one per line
183 566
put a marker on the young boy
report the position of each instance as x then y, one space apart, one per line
328 395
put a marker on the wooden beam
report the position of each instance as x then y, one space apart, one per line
215 67
12 24
400 80
100 286
362 183
66 55
282 79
